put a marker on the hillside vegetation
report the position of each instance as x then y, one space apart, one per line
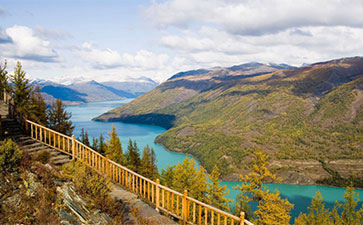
220 117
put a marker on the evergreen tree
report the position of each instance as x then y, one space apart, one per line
59 119
167 176
133 156
84 137
349 213
22 89
102 145
38 110
95 145
216 193
251 188
318 214
114 147
272 210
4 83
185 176
148 164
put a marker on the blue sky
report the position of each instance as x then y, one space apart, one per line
118 40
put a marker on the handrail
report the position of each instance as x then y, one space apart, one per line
176 204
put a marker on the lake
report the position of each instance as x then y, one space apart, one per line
299 195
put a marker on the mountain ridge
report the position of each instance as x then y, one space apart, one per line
90 91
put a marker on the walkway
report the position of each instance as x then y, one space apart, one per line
12 130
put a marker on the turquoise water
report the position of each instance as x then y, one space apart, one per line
299 195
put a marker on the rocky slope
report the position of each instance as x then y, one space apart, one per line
297 115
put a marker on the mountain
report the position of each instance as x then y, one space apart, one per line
91 91
302 117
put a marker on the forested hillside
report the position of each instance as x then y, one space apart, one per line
299 116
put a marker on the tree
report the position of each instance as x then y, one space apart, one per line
349 214
114 147
59 119
102 145
4 85
95 144
22 89
133 156
167 176
216 193
272 210
251 188
318 214
149 168
84 137
38 109
185 176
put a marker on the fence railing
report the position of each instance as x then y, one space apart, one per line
179 205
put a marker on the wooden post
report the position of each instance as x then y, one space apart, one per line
157 195
107 166
40 134
185 207
73 147
1 134
242 218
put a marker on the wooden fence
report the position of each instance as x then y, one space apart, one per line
179 205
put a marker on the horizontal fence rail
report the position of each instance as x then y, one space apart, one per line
179 205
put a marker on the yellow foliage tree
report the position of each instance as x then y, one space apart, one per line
251 189
273 210
216 193
318 214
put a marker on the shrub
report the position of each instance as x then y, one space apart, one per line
42 157
87 181
10 156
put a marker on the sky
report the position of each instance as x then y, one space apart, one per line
126 39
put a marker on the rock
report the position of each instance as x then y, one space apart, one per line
79 213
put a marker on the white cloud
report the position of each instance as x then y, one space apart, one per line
108 58
256 17
210 46
25 44
101 59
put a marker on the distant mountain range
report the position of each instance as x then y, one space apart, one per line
91 91
299 116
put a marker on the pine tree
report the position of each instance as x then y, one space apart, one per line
272 210
84 137
59 119
102 145
38 110
4 80
251 188
167 176
95 144
187 177
133 156
22 89
148 166
114 147
216 193
349 214
318 214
